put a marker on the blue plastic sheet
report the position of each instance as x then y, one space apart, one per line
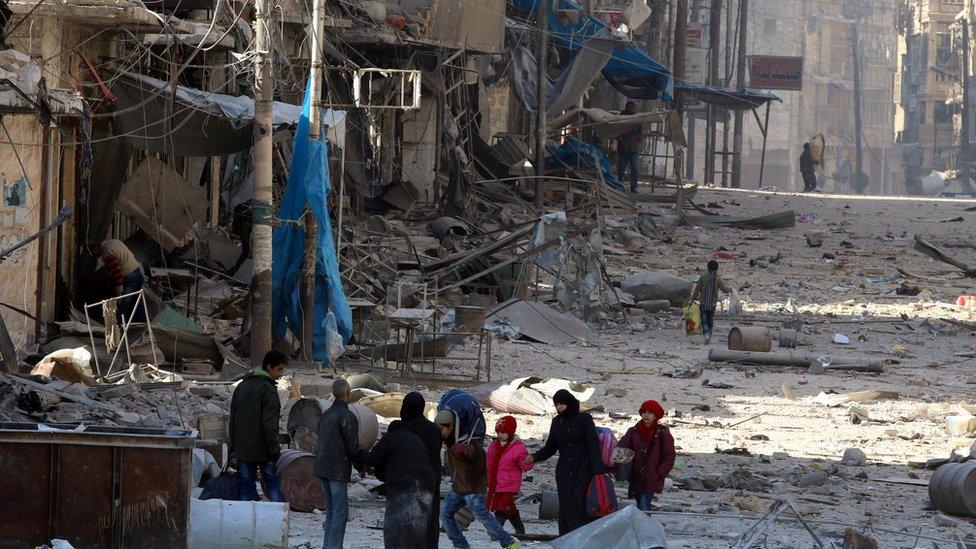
574 152
630 70
308 183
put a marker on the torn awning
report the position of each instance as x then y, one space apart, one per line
726 98
630 70
192 122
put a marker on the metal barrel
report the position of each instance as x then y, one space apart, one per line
787 338
299 485
750 339
549 505
952 489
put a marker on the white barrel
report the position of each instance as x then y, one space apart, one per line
217 523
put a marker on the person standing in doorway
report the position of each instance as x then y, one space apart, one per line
336 453
709 283
628 145
807 169
254 416
573 435
654 454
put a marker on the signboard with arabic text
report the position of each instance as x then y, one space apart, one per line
773 72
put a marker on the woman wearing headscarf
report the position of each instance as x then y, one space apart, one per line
654 454
412 419
573 435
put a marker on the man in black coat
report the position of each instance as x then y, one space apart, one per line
807 166
336 453
573 435
412 419
254 416
399 459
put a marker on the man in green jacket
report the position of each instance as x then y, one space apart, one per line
254 418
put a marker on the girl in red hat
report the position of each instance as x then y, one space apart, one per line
506 463
654 454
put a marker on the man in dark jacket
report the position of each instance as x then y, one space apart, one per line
573 435
337 452
399 459
469 483
628 146
254 417
807 169
412 419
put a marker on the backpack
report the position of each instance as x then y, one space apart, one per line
607 443
601 500
469 420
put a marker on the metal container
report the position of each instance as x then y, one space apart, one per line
549 505
299 485
221 524
750 339
303 419
787 338
469 318
952 489
94 486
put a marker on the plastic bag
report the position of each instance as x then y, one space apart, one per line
333 341
692 320
735 306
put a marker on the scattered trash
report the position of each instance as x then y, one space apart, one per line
841 339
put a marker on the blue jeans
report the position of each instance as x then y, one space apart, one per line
645 500
336 512
627 159
248 471
476 503
133 282
707 321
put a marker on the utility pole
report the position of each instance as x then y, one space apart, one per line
740 83
655 28
542 100
962 165
311 224
678 69
714 38
261 209
859 176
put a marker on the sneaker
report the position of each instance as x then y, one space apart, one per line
514 545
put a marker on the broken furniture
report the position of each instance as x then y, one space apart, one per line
112 338
95 486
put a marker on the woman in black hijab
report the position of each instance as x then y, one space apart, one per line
573 435
412 419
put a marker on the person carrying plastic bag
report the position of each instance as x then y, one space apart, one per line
709 283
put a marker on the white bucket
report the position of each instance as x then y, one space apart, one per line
217 523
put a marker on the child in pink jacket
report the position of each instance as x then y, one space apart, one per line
506 463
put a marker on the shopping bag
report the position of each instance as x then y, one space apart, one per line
692 319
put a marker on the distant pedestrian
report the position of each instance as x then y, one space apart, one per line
574 436
412 419
400 460
506 463
807 167
254 416
336 453
654 454
707 288
628 145
466 461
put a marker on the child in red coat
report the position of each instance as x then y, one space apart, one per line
654 454
506 463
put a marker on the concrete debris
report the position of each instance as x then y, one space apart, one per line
813 478
854 457
658 286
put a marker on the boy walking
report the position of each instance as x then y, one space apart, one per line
469 480
709 283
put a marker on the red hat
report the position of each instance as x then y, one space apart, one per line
505 425
652 406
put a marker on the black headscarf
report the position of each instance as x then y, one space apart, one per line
412 407
563 396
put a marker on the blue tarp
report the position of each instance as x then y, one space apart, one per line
308 183
574 152
630 70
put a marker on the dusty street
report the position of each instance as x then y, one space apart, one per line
766 418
